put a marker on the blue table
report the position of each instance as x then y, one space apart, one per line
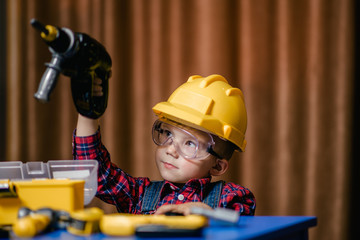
264 227
258 227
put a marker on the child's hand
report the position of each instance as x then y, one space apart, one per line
180 208
97 88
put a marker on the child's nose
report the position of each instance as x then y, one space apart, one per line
171 149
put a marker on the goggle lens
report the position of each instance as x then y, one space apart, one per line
185 143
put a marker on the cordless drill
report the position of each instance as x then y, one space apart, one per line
81 58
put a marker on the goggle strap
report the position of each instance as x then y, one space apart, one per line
212 152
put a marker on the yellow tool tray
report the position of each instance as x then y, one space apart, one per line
61 194
62 185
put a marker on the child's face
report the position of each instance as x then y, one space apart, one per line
175 166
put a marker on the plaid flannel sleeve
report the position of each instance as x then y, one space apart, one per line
114 185
238 198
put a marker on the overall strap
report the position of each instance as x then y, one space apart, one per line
213 197
151 196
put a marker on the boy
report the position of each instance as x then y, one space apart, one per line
196 133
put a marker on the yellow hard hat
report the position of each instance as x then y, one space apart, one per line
209 104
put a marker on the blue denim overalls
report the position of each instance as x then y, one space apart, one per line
152 195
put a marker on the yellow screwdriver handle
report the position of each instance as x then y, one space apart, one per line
31 225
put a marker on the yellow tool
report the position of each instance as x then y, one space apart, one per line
31 225
92 220
82 222
85 222
59 194
122 224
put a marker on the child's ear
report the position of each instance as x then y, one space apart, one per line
220 167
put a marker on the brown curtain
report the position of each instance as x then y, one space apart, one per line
292 59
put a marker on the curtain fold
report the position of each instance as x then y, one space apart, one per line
292 59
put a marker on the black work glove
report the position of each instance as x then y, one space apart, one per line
90 93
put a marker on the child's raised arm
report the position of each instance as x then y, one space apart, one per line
86 126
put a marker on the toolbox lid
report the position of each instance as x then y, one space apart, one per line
54 169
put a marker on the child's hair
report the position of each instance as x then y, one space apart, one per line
224 147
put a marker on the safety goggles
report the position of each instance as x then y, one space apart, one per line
189 145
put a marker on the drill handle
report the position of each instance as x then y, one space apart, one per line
49 78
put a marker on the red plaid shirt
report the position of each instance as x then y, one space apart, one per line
126 192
